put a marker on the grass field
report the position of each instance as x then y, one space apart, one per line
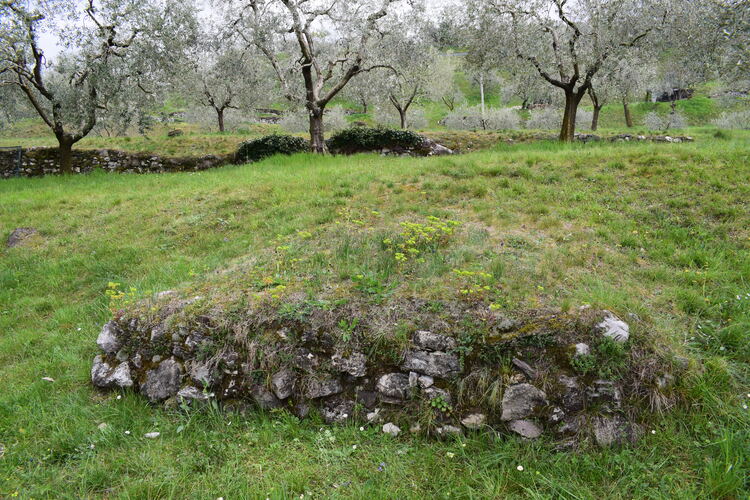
657 230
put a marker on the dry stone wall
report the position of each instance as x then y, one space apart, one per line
530 377
37 162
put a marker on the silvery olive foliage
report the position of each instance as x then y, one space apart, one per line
662 123
548 118
225 75
737 120
387 116
472 118
298 121
621 80
329 40
442 85
111 51
411 63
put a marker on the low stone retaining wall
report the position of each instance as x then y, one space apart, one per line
37 162
543 374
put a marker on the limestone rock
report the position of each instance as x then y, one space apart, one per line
108 340
322 388
524 367
368 399
436 392
203 374
301 410
105 376
162 382
610 431
391 429
21 235
448 430
604 393
425 381
614 328
572 395
264 398
525 428
394 387
374 416
521 400
282 383
433 342
434 364
474 421
582 349
355 364
189 394
337 411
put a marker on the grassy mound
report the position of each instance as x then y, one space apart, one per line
659 231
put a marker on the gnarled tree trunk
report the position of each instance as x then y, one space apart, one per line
65 153
597 108
572 100
220 118
595 118
317 132
628 115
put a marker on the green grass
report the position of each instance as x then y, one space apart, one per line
661 231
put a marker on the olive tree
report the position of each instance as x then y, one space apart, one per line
99 39
619 81
568 42
331 37
411 62
442 85
223 75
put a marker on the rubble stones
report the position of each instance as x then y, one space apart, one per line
108 339
525 428
337 411
162 382
394 387
614 328
429 341
282 383
521 400
322 388
391 429
524 367
434 364
474 421
106 376
189 394
355 364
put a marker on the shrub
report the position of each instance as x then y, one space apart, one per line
359 139
270 145
655 121
464 118
584 117
388 117
544 119
739 120
299 121
470 118
502 119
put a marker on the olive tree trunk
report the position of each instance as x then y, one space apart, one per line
572 100
317 131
